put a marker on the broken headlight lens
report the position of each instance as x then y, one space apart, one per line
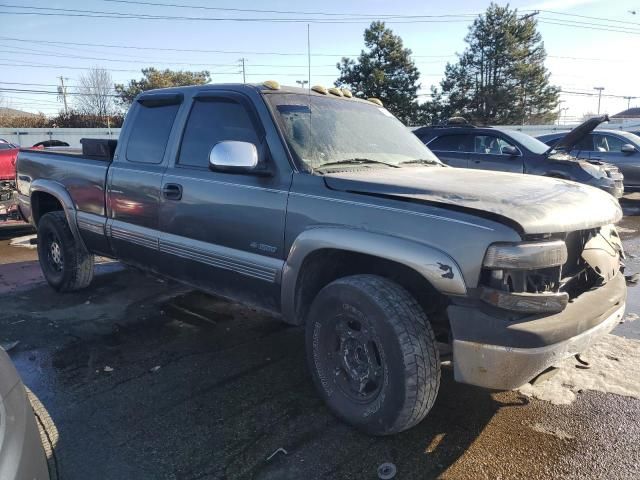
525 255
594 170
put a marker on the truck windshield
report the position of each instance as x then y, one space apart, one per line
325 130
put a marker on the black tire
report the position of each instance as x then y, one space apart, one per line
66 265
372 354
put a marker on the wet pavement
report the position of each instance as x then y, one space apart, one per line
144 379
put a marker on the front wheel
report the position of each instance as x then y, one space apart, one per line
65 264
372 354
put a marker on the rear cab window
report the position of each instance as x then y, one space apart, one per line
150 132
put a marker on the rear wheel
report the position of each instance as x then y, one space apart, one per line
65 264
372 354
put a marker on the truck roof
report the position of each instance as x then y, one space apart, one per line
265 88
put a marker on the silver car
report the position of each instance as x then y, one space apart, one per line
21 451
616 147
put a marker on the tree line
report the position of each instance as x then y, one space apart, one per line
499 78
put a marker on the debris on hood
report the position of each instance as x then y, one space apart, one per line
567 142
531 208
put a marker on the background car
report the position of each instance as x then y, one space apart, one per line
21 451
8 156
616 147
460 144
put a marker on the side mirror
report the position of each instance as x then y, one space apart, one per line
627 148
510 150
233 156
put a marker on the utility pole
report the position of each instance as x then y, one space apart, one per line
600 89
565 115
62 93
309 56
529 15
244 73
560 102
628 99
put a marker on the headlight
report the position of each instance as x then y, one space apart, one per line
546 302
525 255
594 170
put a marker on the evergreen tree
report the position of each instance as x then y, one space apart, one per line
153 78
384 71
501 78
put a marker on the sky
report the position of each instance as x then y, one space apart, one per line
590 43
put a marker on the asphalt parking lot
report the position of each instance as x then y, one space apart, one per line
144 379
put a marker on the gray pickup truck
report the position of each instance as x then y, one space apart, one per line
325 210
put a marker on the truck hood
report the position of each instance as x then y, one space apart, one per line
530 204
567 142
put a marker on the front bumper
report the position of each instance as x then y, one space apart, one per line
495 351
613 186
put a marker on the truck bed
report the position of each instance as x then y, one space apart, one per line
83 177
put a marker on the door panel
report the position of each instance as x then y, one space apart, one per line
225 233
134 199
609 151
628 163
454 159
134 181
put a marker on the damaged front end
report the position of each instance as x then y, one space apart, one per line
543 274
541 300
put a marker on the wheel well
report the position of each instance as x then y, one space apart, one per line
43 202
324 266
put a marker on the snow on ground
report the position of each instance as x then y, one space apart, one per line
23 242
614 368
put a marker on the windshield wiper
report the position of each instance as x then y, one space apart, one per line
355 161
423 161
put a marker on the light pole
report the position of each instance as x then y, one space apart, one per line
302 83
600 89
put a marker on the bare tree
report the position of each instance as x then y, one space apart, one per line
95 95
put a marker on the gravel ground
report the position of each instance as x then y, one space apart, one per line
145 379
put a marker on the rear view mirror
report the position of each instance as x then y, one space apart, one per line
627 148
233 156
509 150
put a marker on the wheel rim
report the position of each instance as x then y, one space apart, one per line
55 257
354 355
